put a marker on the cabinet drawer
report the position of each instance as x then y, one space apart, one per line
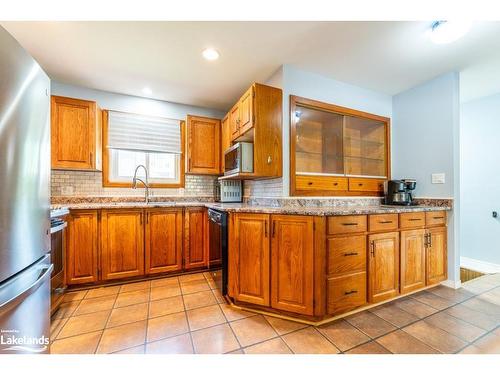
411 220
346 293
346 254
346 224
321 183
435 218
381 222
366 184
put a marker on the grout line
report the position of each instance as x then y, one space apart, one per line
107 320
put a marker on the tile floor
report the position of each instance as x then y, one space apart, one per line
186 314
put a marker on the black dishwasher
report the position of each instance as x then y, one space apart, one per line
218 234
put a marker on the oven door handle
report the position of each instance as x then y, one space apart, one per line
58 228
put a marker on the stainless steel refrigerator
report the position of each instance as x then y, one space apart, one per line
24 201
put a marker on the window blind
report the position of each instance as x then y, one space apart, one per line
133 132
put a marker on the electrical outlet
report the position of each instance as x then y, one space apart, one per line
67 190
438 178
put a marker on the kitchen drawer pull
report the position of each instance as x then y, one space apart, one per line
349 224
309 183
335 183
350 292
265 229
372 245
438 217
414 219
385 222
350 254
360 184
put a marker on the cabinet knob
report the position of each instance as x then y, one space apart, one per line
360 184
335 183
309 183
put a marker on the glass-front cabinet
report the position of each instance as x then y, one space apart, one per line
337 150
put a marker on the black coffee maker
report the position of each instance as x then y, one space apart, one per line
398 192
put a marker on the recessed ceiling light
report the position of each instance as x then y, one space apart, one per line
147 91
443 32
210 54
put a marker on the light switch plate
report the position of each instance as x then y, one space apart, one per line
438 178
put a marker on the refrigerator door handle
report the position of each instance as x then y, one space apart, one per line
46 270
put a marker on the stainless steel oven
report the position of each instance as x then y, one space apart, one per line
58 225
238 158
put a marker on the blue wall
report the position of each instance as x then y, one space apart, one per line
480 179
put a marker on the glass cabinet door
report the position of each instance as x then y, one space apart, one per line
365 147
318 142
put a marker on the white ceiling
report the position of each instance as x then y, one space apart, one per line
124 57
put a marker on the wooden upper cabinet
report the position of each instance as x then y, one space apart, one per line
412 260
437 256
225 139
195 238
383 266
246 111
336 150
164 237
292 262
249 258
122 243
203 145
76 127
82 247
234 121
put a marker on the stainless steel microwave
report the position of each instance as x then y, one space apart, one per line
239 158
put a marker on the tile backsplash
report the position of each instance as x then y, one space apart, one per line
89 183
263 188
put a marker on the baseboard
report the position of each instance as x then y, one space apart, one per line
479 265
452 283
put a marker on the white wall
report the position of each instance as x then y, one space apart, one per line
313 86
425 139
480 179
133 104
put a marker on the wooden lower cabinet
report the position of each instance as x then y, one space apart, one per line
412 260
437 256
249 258
163 241
346 292
383 266
122 244
292 262
195 238
82 247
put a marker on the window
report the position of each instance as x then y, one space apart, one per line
131 140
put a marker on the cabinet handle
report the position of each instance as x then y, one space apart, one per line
140 218
274 228
335 183
385 221
350 254
350 292
349 224
372 248
147 218
438 217
309 183
414 219
265 229
360 184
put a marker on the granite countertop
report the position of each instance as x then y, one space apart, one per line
244 207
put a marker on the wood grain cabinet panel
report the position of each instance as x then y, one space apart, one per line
383 264
246 111
346 254
347 224
163 241
412 260
234 121
122 243
410 220
82 247
435 218
321 183
203 150
437 256
195 238
75 134
383 222
346 293
225 140
366 184
292 262
249 258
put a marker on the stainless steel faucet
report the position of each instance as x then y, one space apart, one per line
146 184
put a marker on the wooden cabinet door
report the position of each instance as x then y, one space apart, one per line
234 121
248 258
412 260
73 133
437 256
82 247
203 135
122 243
195 238
246 112
164 236
383 261
225 140
292 276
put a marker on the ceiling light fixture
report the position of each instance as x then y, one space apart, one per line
147 91
442 32
210 54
